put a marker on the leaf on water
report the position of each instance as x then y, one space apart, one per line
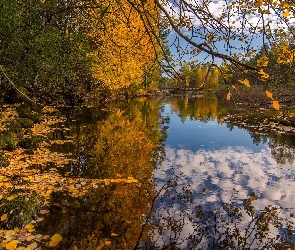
32 246
3 217
11 245
245 82
30 228
10 198
55 239
228 96
44 211
269 94
276 105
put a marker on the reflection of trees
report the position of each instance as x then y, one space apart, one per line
282 146
127 142
179 224
203 109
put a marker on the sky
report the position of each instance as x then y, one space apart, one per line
272 20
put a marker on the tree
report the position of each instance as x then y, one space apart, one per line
43 49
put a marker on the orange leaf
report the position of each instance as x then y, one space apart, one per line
3 217
55 239
11 245
269 94
276 105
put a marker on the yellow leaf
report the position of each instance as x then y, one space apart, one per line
245 82
276 105
3 217
269 94
29 226
10 198
11 245
286 14
228 96
55 239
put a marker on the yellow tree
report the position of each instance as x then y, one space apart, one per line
124 48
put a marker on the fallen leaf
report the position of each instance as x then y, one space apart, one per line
32 246
44 211
11 245
3 217
55 239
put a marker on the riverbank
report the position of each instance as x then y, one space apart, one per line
254 109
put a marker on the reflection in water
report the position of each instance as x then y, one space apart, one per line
222 197
126 143
211 187
206 200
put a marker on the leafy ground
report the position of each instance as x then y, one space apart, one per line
30 173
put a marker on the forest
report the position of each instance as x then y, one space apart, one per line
65 51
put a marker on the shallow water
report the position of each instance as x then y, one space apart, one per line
211 166
201 183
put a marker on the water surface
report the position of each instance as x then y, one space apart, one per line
201 183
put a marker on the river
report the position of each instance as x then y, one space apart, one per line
188 180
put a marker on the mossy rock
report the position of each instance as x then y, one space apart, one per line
21 210
8 141
26 122
32 142
14 127
4 162
26 112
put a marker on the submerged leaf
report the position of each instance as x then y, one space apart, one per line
269 94
276 105
228 96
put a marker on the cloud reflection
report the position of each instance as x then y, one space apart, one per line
210 178
233 168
